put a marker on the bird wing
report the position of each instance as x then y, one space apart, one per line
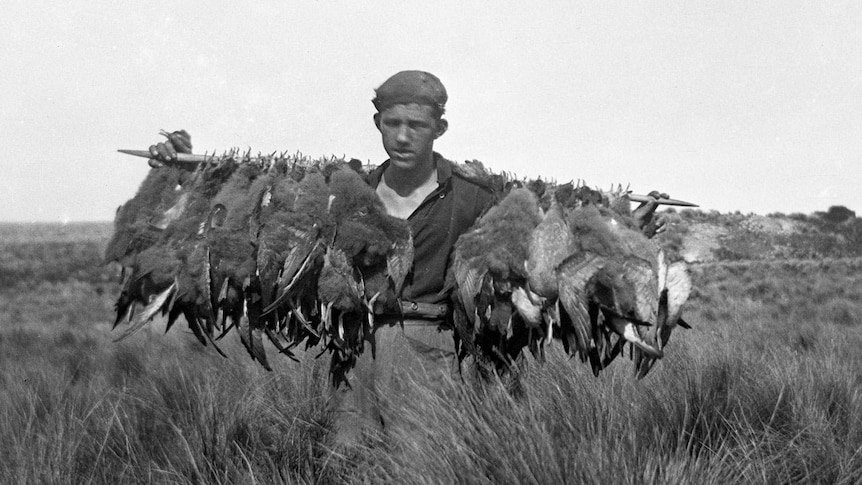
304 260
678 290
469 278
550 243
398 263
337 286
174 212
574 275
149 312
251 328
675 285
639 275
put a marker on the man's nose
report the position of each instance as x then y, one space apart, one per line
403 134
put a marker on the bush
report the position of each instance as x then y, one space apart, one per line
838 214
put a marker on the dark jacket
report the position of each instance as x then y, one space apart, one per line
437 223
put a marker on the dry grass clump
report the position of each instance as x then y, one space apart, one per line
77 408
719 419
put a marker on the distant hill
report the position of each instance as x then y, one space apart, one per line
699 236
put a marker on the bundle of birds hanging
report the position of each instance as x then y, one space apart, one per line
293 251
565 263
281 248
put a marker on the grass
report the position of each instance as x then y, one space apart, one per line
767 388
80 409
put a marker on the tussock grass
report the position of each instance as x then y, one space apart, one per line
767 388
77 408
707 416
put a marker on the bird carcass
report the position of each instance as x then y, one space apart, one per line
489 272
165 274
283 249
366 264
569 267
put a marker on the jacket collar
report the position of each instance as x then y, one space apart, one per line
443 166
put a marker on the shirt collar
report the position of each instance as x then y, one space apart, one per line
444 171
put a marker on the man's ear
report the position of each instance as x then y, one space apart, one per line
442 126
377 120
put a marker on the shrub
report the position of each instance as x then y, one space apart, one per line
838 214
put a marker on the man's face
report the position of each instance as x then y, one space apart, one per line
409 131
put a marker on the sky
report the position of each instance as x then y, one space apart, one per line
748 106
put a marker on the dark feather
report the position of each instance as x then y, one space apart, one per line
148 313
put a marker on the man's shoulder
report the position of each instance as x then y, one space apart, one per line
473 191
374 174
474 174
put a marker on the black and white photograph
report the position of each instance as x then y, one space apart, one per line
455 242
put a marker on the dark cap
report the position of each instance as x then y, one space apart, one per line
408 87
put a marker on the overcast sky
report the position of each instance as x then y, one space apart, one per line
750 106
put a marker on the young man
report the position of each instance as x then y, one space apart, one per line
419 185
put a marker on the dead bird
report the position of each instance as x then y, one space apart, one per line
172 273
370 254
489 280
580 272
290 256
140 221
614 290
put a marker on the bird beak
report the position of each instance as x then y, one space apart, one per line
628 331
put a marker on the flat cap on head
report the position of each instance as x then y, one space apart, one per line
408 87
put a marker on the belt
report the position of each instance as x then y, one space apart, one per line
415 310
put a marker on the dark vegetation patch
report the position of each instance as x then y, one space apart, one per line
835 233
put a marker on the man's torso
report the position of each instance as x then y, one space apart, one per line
446 213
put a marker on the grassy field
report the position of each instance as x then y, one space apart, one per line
767 388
